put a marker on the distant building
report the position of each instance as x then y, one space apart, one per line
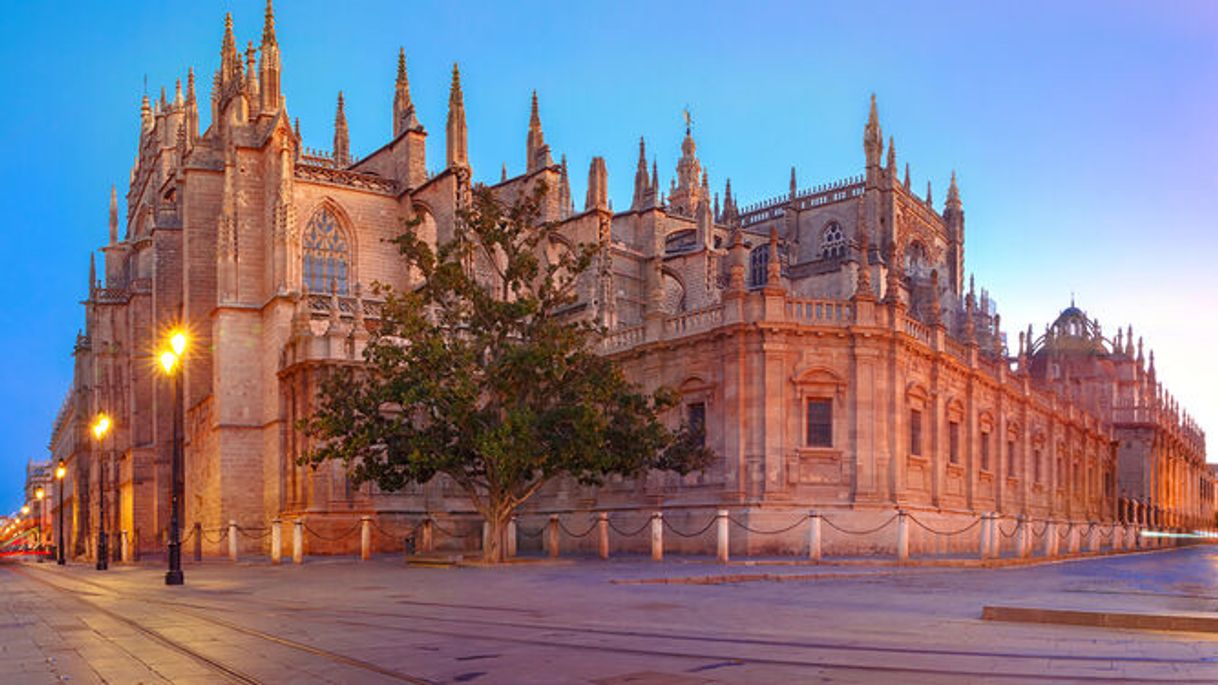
828 339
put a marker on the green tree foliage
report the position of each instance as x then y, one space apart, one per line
484 375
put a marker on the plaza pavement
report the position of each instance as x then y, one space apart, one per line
605 623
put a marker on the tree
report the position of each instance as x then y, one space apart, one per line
482 374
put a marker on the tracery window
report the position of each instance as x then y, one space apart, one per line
326 254
759 264
832 242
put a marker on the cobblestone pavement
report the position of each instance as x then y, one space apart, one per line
606 623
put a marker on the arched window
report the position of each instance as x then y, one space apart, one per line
832 242
326 254
759 264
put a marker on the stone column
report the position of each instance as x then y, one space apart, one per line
552 536
1117 537
721 538
510 543
657 536
902 536
602 535
126 547
232 540
365 538
426 541
298 541
1072 539
986 534
1024 537
814 537
276 541
1050 539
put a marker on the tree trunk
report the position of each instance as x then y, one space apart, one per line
496 538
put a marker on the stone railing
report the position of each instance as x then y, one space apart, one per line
319 306
917 329
351 179
826 193
819 311
956 349
111 295
623 338
694 321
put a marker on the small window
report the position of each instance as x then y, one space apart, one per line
953 442
1012 460
759 265
833 242
985 451
915 432
820 423
696 414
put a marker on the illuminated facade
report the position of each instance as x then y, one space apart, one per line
828 339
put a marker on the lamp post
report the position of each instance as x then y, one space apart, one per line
171 362
61 470
39 495
101 426
25 511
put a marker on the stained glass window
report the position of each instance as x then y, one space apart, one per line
326 254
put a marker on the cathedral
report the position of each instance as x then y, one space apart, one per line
828 339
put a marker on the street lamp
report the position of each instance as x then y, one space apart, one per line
101 426
61 470
39 494
171 363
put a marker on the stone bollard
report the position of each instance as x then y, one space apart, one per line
902 536
985 536
1131 537
1117 537
126 547
552 536
1072 539
276 541
232 540
1095 539
510 543
198 541
1050 539
602 535
721 539
1024 538
814 538
298 541
996 536
657 536
365 538
426 541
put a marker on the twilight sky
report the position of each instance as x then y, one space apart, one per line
1084 137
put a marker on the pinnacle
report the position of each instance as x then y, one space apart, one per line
268 25
401 66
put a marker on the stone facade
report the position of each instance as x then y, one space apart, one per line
828 339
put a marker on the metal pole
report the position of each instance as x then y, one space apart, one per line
59 548
174 575
102 552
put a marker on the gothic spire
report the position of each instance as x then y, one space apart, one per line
640 177
269 72
230 60
953 193
537 153
113 215
92 274
268 25
342 141
892 157
907 176
404 118
178 100
873 138
598 185
457 142
929 196
793 186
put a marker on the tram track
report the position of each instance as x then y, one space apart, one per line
890 661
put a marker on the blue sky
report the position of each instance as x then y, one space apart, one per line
1083 134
